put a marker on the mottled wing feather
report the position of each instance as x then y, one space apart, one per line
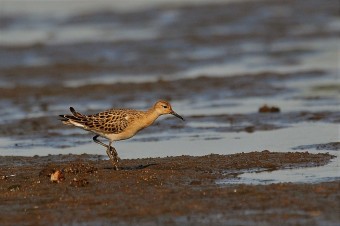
113 121
110 121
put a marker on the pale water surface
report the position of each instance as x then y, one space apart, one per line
265 53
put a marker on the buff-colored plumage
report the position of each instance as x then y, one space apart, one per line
109 121
117 124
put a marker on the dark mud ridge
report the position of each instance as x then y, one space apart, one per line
162 191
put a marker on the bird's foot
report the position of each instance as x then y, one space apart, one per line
115 167
112 153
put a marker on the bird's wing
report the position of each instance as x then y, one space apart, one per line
110 121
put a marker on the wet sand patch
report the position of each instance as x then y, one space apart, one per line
230 58
171 190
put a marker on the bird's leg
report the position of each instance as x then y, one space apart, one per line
113 152
99 142
110 151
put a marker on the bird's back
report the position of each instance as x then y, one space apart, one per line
106 122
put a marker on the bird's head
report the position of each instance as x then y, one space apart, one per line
163 107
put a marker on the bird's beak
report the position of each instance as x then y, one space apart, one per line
177 115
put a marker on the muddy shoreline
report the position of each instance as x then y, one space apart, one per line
217 64
168 191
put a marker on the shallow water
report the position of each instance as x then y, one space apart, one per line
216 62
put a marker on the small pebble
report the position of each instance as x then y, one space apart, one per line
57 176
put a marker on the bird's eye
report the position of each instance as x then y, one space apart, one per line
164 106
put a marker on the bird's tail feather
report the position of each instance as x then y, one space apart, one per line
75 113
74 119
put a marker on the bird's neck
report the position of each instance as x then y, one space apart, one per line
151 116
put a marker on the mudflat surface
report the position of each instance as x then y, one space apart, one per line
169 191
217 64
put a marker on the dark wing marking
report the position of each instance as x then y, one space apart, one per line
110 121
106 122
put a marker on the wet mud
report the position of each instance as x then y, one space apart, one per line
172 190
218 64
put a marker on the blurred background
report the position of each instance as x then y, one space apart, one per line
217 62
